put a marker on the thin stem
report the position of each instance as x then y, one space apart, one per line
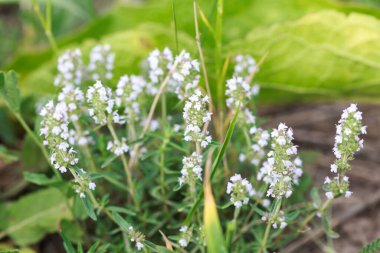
325 205
201 56
277 206
231 233
46 23
175 27
218 35
136 148
86 149
125 165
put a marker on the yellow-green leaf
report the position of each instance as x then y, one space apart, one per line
213 230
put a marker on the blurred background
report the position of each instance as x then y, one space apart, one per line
321 56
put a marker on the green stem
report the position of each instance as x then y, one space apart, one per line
46 23
125 166
218 43
175 27
325 205
231 228
276 207
86 149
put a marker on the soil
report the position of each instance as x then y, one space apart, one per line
356 219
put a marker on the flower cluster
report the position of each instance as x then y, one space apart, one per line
257 152
70 69
117 147
281 169
186 234
137 237
239 92
127 95
101 62
159 64
185 78
55 130
73 97
101 104
245 66
82 138
347 143
240 190
192 169
277 220
83 183
195 115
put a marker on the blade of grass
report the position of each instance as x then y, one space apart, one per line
175 27
213 230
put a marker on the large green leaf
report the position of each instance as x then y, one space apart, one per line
325 53
240 17
36 214
130 48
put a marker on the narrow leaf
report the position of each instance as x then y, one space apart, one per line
213 230
67 244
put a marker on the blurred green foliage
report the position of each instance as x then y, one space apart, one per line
312 51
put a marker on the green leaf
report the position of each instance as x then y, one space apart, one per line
121 210
333 61
39 179
156 248
93 248
88 206
35 215
31 155
315 197
9 90
67 244
108 161
72 230
291 216
213 230
121 222
7 156
372 247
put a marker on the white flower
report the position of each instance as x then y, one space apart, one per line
159 64
192 170
245 66
92 185
128 92
137 237
117 147
196 115
101 104
55 131
329 195
238 92
277 220
70 69
282 169
239 190
185 77
347 143
101 62
186 234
